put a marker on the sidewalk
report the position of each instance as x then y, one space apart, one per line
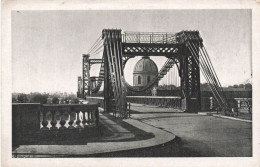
122 138
232 118
210 113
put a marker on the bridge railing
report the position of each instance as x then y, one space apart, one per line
32 122
97 100
172 102
100 100
144 37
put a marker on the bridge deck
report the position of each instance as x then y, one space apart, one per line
155 97
148 97
162 101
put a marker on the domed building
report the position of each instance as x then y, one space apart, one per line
145 71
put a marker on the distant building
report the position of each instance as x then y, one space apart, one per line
145 71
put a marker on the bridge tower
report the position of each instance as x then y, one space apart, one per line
184 49
190 81
173 47
114 82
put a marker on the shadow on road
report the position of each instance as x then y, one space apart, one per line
174 148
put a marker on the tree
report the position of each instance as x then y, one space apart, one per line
241 85
22 98
235 86
248 86
76 101
14 100
39 98
55 100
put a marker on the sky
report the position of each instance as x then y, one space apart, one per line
47 46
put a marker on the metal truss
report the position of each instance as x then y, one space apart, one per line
113 58
118 49
96 61
86 76
148 49
149 37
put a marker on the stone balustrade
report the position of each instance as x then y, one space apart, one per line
59 117
31 122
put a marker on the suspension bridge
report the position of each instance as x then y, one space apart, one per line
185 57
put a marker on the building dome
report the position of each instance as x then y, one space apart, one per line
145 65
145 70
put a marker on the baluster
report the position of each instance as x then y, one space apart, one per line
78 120
115 108
117 111
44 120
53 121
84 118
97 116
62 120
71 120
93 117
88 117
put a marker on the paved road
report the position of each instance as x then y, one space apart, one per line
199 135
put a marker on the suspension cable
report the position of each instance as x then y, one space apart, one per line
97 46
208 76
99 38
205 72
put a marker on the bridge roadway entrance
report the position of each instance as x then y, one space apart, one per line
162 101
197 135
171 102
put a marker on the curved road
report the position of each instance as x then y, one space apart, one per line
197 135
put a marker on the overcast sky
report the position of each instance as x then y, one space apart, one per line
47 46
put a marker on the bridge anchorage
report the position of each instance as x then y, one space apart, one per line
184 49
